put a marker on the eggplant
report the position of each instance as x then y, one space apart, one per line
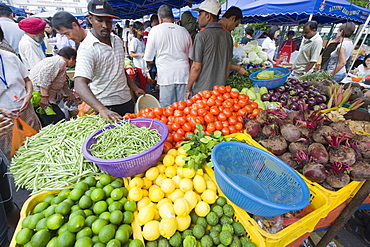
305 84
293 92
287 86
274 98
311 89
288 102
301 93
283 101
323 106
278 94
294 81
271 91
319 99
280 89
266 97
285 94
311 94
294 106
311 102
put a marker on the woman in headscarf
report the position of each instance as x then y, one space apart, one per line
188 21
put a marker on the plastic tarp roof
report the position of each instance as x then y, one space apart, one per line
133 9
297 12
18 11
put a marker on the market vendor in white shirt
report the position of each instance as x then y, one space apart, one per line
100 62
30 45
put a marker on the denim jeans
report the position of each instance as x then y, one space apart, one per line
339 77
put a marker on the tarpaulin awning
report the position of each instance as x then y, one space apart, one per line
18 11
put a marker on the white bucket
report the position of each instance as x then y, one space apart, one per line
146 101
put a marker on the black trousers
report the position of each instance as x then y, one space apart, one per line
122 109
51 119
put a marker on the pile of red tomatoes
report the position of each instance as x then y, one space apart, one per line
220 109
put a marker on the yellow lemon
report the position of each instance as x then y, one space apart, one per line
177 179
135 194
167 227
153 186
180 171
152 173
146 214
170 171
168 160
155 194
179 160
172 152
181 150
176 195
209 196
164 200
183 222
186 184
151 230
188 173
211 185
156 214
168 185
145 193
166 210
145 201
159 179
146 183
162 168
199 172
140 175
199 184
136 182
202 209
192 198
181 207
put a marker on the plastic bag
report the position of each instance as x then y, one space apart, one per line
270 224
21 130
238 55
84 109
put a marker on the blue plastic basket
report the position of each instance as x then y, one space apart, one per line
258 181
271 83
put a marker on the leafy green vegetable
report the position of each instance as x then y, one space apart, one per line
241 81
319 76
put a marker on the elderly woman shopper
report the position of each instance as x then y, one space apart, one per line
337 61
15 94
50 78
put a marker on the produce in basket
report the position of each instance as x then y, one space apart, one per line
91 212
323 151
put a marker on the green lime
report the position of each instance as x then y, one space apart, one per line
116 194
216 228
24 236
75 208
176 240
99 185
198 231
115 206
128 217
187 232
49 198
226 238
34 219
85 202
151 244
41 238
114 243
221 201
55 221
136 243
116 217
239 229
84 232
76 194
88 192
57 200
123 200
130 205
228 210
63 208
117 183
82 185
100 207
105 216
84 242
90 220
66 239
97 194
107 233
201 221
99 244
76 223
228 228
122 235
26 221
126 227
125 191
95 240
214 235
193 217
163 242
212 218
41 224
218 210
63 228
64 193
90 181
40 207
69 201
226 220
110 201
108 189
88 212
53 242
78 212
105 179
50 210
97 225
206 241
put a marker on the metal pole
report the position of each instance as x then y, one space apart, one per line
346 214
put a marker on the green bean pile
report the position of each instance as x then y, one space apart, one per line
53 159
128 140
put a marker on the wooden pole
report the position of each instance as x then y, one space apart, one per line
346 214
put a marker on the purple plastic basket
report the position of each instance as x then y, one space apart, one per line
133 165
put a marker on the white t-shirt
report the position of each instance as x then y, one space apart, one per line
125 33
270 46
348 46
104 66
15 72
30 51
171 46
138 46
362 71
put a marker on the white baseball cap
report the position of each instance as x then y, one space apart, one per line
210 6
